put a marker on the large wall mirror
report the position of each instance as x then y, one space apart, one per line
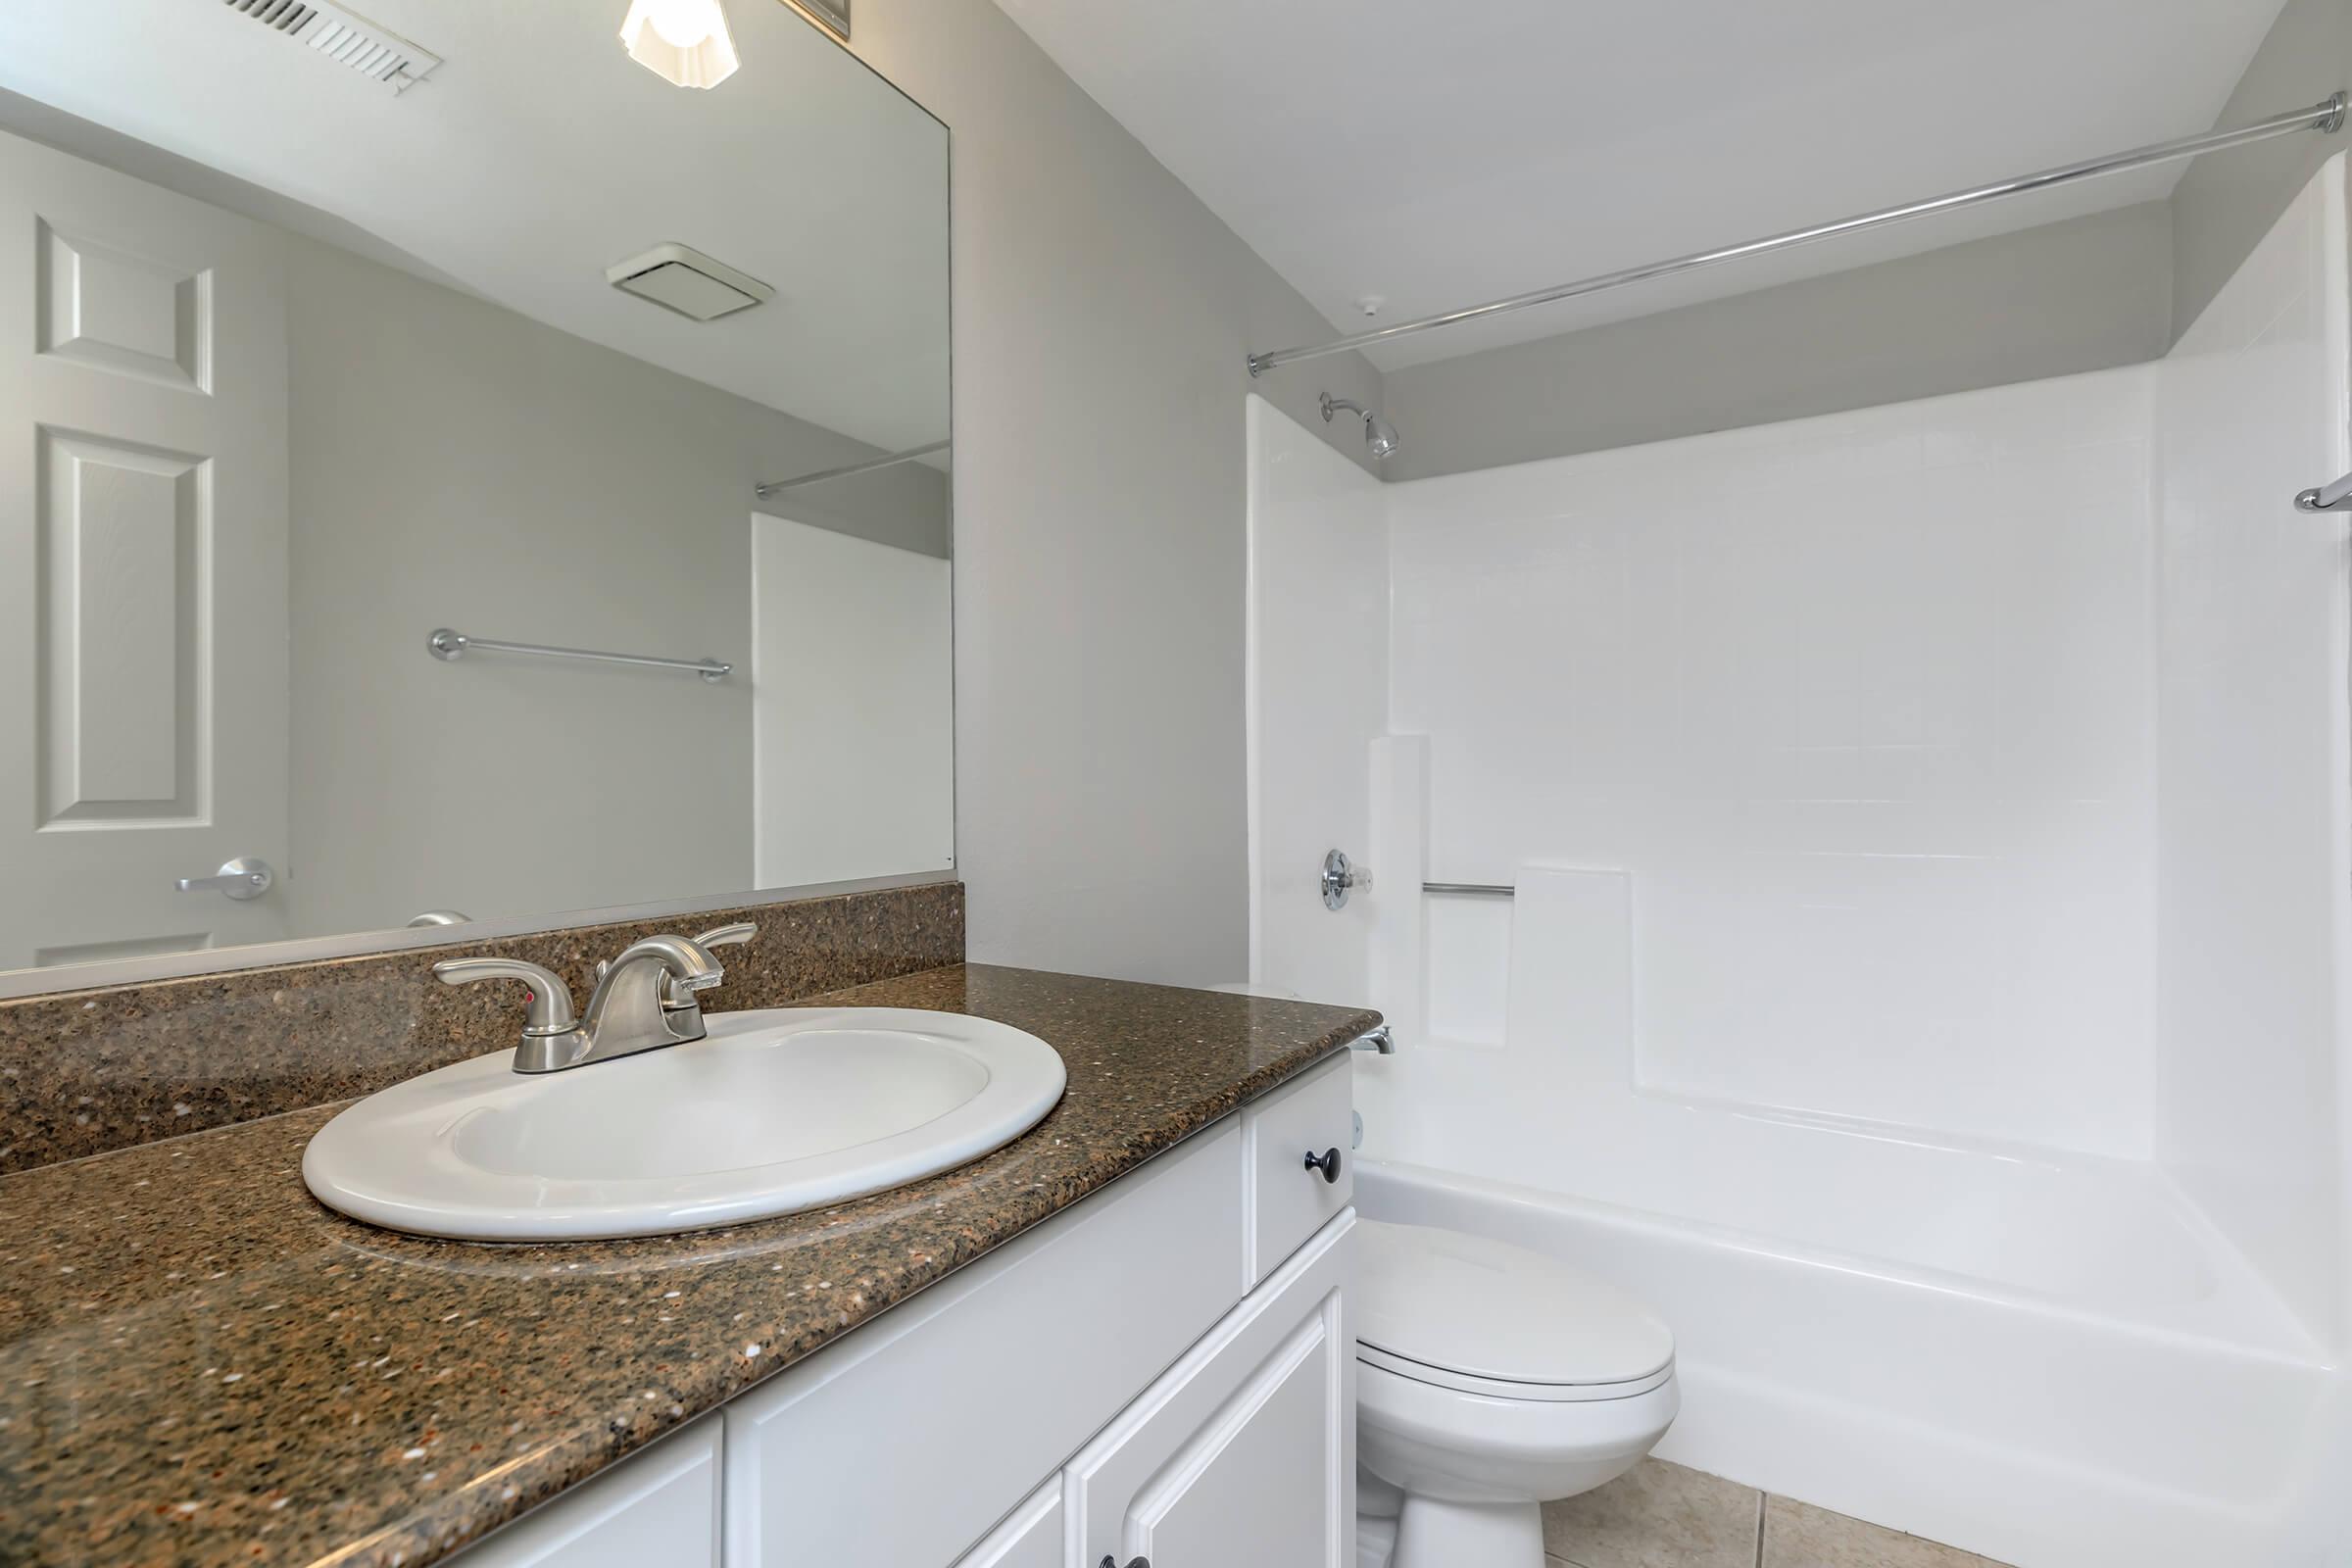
362 364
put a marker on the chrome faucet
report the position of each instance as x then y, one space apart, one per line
648 997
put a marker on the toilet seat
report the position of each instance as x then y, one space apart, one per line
1480 1316
1504 1389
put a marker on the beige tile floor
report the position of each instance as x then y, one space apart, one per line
1660 1515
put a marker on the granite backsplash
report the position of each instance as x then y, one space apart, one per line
86 1071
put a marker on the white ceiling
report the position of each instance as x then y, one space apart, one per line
539 154
1443 154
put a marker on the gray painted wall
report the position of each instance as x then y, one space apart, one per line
1103 316
2084 294
2224 206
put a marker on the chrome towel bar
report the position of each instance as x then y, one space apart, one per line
2327 497
449 645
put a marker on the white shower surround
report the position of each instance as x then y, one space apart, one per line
1926 983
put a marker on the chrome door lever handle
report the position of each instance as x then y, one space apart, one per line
240 879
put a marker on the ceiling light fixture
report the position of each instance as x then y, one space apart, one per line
681 41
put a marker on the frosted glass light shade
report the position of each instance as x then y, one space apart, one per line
683 41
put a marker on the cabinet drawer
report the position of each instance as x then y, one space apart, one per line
900 1445
1288 1201
660 1505
1243 1454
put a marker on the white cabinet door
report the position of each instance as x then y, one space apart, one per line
660 1506
1030 1538
1243 1454
901 1444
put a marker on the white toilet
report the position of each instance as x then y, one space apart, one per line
1490 1379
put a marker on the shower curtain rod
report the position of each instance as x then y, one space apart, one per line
2326 116
847 470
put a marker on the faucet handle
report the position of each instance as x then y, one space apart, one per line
550 1011
676 993
725 936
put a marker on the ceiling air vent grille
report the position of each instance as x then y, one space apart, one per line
346 38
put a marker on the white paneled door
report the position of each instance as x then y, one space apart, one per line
143 501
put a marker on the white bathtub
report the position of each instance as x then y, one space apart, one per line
2032 1401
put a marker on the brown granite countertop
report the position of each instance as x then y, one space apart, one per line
200 1365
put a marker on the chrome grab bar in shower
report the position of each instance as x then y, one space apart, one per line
1472 890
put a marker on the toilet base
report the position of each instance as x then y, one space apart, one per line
1455 1534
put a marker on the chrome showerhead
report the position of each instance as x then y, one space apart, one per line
1379 434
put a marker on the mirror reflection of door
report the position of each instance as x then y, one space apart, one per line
143 566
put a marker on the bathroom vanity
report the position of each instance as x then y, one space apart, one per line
1164 1371
637 623
1123 1335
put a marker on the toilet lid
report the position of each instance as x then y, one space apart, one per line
1482 1308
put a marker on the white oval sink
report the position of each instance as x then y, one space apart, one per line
777 1112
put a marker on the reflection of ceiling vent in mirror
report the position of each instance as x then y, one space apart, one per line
678 277
343 36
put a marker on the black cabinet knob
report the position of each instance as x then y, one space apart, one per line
1109 1561
1328 1162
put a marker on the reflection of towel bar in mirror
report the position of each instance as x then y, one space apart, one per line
445 644
2328 497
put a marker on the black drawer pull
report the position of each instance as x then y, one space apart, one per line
1328 1162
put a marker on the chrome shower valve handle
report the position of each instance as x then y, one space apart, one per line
1339 878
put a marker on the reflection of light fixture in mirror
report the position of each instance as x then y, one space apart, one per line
684 41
